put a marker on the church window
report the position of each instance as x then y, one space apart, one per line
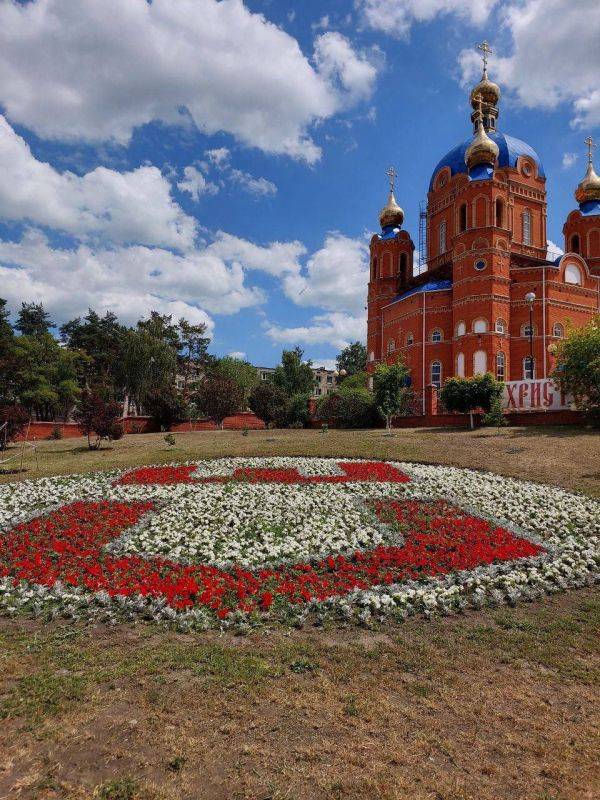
391 346
479 265
461 329
527 227
499 213
442 238
403 269
436 374
462 218
500 326
575 244
374 274
573 275
558 330
480 326
528 369
371 356
409 339
479 362
460 365
500 365
436 335
527 330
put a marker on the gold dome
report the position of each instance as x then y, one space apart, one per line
391 213
488 90
482 149
589 188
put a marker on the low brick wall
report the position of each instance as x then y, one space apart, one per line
245 419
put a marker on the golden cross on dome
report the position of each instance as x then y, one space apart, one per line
590 145
485 49
391 173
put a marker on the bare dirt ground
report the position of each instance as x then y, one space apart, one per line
494 705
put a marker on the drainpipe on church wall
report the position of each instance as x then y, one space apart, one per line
423 356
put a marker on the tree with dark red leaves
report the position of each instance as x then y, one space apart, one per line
98 419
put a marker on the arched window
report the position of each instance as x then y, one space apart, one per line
462 218
527 227
460 365
436 335
528 369
442 238
500 365
479 362
409 339
374 274
527 331
575 243
558 330
386 266
436 374
573 275
501 326
403 269
461 329
391 346
499 213
371 356
480 326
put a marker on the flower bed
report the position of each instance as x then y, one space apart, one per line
243 541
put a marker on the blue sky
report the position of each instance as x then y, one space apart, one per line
225 161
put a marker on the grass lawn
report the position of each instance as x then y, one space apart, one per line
495 704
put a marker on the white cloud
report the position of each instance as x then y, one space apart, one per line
131 206
259 187
555 56
336 276
338 63
218 156
130 281
569 159
553 251
96 69
278 259
396 17
336 330
237 354
195 184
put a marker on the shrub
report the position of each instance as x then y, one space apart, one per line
13 421
166 407
294 414
465 395
98 419
495 417
267 401
349 408
169 439
56 432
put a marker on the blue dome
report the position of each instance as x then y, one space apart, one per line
509 147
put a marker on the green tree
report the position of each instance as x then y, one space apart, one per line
219 397
352 359
294 413
98 419
33 320
166 406
103 340
161 327
577 369
390 388
240 371
13 421
294 375
465 395
192 354
348 407
148 365
46 376
267 401
359 380
7 366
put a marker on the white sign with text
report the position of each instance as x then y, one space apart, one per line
542 395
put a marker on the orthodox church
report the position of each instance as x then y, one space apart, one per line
487 298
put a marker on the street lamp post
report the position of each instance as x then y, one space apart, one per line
530 298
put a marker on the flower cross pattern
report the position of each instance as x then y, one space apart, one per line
240 541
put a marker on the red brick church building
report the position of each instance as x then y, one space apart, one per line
487 271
